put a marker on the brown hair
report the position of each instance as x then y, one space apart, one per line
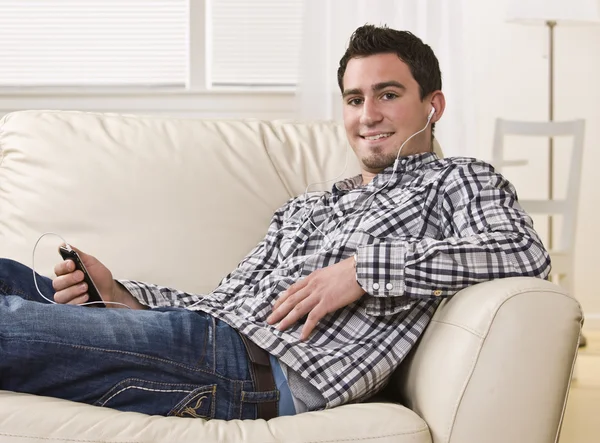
422 62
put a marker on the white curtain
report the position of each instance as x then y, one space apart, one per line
327 27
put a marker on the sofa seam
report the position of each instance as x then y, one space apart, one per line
2 150
271 159
484 338
464 328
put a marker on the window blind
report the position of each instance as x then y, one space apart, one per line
93 42
254 43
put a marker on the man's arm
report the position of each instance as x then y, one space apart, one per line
71 288
487 236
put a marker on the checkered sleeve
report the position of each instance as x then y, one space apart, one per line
485 235
156 296
259 258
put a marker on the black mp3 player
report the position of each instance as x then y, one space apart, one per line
94 295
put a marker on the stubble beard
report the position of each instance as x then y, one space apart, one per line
379 160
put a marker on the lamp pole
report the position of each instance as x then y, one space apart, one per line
551 24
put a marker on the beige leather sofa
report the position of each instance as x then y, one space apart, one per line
179 201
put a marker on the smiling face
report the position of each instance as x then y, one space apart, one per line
382 109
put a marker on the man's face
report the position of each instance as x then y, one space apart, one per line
382 108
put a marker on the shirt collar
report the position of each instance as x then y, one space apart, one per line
406 164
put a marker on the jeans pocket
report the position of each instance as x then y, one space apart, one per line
163 398
198 404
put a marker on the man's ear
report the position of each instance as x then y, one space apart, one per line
438 102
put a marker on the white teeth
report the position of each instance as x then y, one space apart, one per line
378 136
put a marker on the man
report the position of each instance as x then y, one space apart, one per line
337 293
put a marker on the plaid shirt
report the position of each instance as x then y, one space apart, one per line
421 234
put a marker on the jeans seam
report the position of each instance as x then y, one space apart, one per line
142 389
214 344
239 387
176 410
203 351
142 356
214 400
7 290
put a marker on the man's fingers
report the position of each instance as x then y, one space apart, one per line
67 280
64 267
279 312
311 321
289 292
79 300
300 310
285 296
71 294
288 302
282 297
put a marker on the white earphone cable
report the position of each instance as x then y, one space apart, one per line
305 216
38 288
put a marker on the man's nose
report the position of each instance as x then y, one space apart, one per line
371 113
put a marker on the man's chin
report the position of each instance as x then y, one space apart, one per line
377 164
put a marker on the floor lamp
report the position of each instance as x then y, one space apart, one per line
552 13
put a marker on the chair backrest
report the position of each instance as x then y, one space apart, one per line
562 254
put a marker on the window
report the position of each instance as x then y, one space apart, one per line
255 42
193 44
93 42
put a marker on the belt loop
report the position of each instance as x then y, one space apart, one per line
262 375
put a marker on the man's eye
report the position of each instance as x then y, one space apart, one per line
389 96
355 101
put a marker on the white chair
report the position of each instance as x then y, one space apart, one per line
561 253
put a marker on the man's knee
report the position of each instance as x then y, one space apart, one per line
16 279
10 268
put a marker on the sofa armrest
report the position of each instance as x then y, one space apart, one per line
495 363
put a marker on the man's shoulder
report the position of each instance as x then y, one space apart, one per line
464 163
302 201
458 173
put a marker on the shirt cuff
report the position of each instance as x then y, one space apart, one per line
380 273
136 290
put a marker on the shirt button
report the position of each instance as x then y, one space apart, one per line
389 286
437 292
376 286
340 213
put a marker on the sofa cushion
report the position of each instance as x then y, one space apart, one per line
150 183
25 418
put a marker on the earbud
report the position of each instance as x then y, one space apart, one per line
431 113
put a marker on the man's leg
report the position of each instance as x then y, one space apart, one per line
163 361
17 279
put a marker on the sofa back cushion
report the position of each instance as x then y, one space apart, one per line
172 201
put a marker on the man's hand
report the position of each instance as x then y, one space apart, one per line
70 287
325 290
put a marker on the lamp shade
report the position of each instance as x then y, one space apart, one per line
561 11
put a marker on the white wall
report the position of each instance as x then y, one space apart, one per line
511 81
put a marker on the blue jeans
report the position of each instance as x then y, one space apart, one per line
160 361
